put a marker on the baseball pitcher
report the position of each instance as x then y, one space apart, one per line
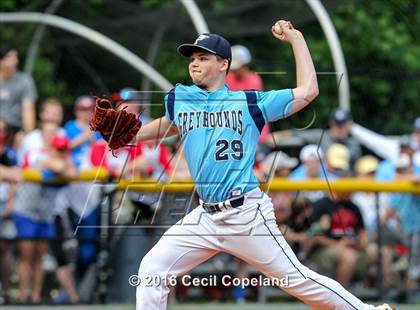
220 130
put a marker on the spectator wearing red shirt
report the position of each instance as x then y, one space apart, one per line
340 238
144 160
240 76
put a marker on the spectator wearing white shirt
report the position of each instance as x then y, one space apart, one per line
388 148
51 112
366 168
313 167
9 176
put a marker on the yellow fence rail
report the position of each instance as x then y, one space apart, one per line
276 185
31 175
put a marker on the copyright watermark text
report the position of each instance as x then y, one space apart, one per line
213 280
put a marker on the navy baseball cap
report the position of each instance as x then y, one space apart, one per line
340 116
209 42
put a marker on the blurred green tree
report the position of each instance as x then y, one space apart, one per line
380 41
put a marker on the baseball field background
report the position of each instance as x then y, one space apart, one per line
366 54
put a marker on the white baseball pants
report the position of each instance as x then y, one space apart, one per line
248 232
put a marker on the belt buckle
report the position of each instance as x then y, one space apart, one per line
210 207
235 201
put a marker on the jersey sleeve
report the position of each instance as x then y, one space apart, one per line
275 104
170 105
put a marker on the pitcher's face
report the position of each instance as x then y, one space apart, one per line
205 68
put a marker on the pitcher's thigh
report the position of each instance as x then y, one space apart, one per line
173 256
267 250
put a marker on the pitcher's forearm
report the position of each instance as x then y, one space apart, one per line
306 82
157 129
307 85
305 70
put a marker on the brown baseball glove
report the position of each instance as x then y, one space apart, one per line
117 127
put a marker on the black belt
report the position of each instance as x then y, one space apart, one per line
217 207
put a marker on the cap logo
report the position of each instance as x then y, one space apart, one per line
201 37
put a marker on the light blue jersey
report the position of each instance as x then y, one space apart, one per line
220 132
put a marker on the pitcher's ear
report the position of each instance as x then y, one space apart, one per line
225 65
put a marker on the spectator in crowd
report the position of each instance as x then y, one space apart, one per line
59 163
79 201
392 234
338 160
339 237
79 132
65 248
152 162
17 93
279 165
387 168
311 157
294 224
388 148
366 167
340 124
33 211
9 175
312 167
51 112
286 206
406 208
240 76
